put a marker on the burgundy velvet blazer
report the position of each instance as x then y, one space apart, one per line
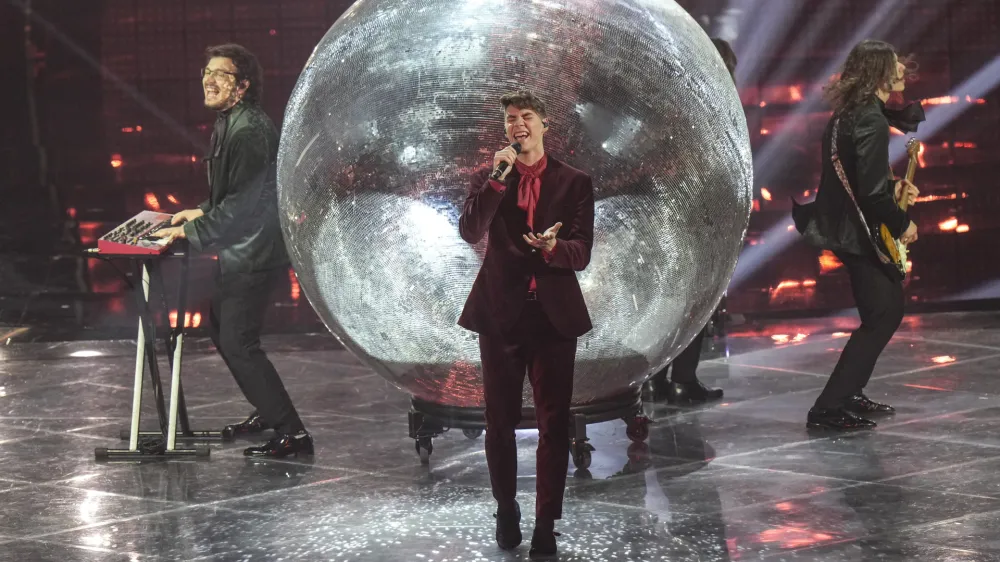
501 288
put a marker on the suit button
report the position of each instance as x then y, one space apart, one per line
534 250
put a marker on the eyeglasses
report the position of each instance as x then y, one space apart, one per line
217 74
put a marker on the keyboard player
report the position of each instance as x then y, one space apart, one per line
240 222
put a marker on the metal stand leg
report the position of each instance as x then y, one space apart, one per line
158 445
181 426
149 331
140 357
175 382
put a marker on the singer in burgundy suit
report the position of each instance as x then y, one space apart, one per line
528 309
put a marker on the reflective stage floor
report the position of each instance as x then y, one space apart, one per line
741 479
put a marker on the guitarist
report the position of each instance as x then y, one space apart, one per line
854 199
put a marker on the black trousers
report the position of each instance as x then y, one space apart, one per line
236 319
684 366
879 299
534 347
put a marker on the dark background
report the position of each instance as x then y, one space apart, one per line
102 117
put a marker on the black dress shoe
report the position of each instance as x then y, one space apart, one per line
543 544
508 527
861 404
838 419
250 426
283 445
690 393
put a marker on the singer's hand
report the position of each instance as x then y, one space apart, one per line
545 241
508 155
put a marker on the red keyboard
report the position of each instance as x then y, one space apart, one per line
133 235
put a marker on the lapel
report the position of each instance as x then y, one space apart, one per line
215 163
550 184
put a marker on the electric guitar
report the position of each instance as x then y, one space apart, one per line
893 248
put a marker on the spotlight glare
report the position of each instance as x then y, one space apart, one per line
950 224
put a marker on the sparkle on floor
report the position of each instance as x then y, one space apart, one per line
737 480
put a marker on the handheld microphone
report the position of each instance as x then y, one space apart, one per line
503 165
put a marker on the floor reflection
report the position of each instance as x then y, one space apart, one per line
737 480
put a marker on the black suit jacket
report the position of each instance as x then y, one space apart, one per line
832 222
500 290
241 214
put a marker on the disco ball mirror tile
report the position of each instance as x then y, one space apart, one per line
398 106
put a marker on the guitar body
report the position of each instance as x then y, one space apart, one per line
895 249
890 246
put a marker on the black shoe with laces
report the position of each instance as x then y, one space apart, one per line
837 419
250 426
283 445
861 404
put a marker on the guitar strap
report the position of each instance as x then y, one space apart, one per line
834 156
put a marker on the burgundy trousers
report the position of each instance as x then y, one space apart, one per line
535 347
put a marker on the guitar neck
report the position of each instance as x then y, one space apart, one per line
911 170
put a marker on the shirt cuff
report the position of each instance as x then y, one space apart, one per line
497 186
191 233
549 256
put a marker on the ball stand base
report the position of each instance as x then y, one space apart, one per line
428 420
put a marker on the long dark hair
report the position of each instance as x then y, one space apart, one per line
870 66
247 68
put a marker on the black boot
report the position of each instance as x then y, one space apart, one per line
250 426
543 540
283 445
508 533
861 404
657 385
837 419
691 393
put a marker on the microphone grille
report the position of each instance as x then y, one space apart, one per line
516 146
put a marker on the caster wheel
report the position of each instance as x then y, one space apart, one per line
639 458
202 452
101 453
581 454
637 428
472 433
124 434
228 434
424 449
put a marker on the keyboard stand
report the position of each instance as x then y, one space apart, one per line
162 444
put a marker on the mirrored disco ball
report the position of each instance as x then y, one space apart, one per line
399 104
